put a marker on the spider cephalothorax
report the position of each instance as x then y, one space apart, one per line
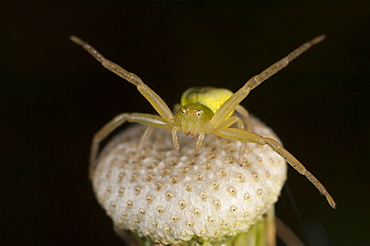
192 117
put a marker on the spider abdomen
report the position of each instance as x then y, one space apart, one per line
211 97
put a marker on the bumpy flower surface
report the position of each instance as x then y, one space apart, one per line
175 196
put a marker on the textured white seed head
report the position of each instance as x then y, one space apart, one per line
173 196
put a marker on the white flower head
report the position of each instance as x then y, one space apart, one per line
175 196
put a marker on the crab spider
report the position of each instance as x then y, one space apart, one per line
203 110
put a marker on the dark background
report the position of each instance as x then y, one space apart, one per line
54 97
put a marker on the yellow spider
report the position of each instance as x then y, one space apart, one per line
203 110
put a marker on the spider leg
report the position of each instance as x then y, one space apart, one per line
231 103
240 135
231 121
248 126
144 138
156 101
245 114
145 119
175 138
199 141
240 124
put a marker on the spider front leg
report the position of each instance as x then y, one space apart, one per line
153 98
237 134
145 119
227 107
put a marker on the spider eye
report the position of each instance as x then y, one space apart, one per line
183 111
199 112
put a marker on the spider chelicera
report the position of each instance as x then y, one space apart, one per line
203 110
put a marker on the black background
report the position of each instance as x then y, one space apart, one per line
54 97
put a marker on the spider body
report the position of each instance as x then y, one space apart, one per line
211 97
193 118
203 110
